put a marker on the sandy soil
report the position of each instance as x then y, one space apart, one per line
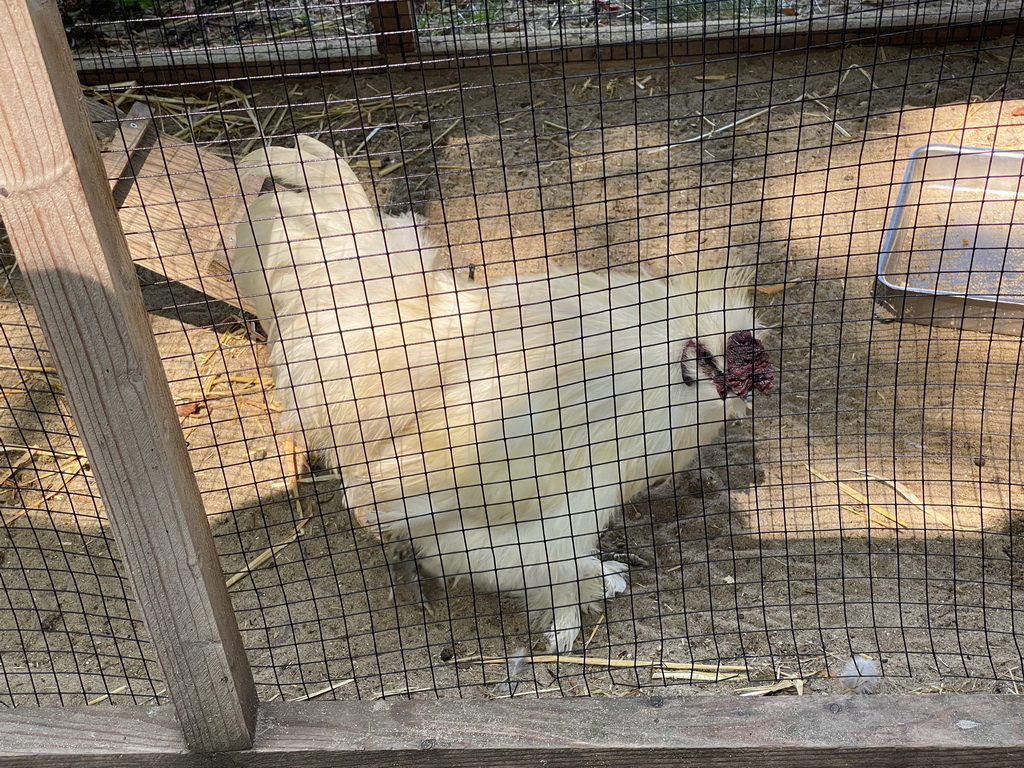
753 558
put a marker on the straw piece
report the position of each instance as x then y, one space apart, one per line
395 166
322 691
693 675
16 465
883 523
29 368
78 463
771 290
596 662
722 128
897 486
852 492
105 696
801 98
398 691
914 499
593 632
43 451
266 555
526 692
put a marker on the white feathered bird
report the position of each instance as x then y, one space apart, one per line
495 430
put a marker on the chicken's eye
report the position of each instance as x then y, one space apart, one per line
705 362
707 359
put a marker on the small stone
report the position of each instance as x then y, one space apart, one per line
979 461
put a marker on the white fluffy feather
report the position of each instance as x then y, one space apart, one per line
497 428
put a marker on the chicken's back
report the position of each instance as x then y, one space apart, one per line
342 295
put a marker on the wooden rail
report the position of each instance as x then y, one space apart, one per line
396 42
790 732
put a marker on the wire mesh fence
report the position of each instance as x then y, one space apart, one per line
70 629
863 509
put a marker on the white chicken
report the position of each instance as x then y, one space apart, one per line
492 432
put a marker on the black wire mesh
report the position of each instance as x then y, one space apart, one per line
69 630
867 507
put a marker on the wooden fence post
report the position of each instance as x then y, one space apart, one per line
395 25
57 206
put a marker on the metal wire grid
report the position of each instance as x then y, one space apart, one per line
583 167
70 632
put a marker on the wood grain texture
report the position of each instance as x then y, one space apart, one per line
789 732
179 204
865 731
57 205
252 60
125 157
395 25
889 24
89 735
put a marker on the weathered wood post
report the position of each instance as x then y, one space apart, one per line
58 209
395 25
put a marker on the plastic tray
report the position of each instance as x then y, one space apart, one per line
953 253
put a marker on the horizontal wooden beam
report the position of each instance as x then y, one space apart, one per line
897 25
92 736
652 731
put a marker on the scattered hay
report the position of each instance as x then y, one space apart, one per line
665 670
855 494
780 686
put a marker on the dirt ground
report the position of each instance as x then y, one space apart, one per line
754 558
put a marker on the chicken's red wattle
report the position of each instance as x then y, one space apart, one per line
747 366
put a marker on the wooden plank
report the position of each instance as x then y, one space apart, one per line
181 214
899 24
253 60
125 157
218 267
692 732
180 205
56 203
790 732
91 736
888 25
